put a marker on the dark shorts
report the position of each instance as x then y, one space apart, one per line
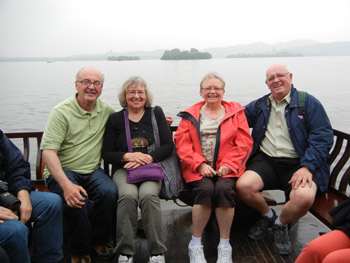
275 172
215 192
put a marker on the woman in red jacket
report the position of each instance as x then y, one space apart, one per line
213 141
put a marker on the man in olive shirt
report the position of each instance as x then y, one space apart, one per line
71 147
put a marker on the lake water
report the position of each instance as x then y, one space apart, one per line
29 90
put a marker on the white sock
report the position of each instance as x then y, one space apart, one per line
278 222
195 241
224 242
269 214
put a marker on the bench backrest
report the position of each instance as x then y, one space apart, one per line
340 164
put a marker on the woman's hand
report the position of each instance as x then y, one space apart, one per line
169 120
7 214
224 170
206 170
136 159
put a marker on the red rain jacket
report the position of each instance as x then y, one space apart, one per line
233 141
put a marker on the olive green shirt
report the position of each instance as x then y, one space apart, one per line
76 134
277 142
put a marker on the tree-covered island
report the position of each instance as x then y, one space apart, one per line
176 54
121 58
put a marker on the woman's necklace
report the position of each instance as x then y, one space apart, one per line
213 113
135 117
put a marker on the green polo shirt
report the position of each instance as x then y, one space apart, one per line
76 134
277 142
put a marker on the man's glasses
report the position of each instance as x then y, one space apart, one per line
86 82
277 76
216 89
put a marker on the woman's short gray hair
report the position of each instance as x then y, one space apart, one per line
130 82
213 75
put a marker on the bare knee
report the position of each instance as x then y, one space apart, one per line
249 182
304 198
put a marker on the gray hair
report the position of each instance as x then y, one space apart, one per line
78 73
130 82
211 75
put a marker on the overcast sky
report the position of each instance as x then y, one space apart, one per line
34 28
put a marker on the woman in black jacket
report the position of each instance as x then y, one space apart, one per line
137 99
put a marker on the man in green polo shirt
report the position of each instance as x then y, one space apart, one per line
71 147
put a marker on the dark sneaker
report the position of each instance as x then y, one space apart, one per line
259 229
282 242
104 251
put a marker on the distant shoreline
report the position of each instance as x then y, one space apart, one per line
306 48
122 58
264 55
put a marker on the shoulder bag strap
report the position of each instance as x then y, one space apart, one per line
155 129
127 130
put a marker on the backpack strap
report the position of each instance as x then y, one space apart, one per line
301 106
301 98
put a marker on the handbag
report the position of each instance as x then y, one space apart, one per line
173 182
148 172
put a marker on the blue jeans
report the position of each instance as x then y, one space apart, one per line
92 224
47 235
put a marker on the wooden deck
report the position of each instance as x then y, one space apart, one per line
177 230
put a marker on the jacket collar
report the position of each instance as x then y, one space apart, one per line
194 111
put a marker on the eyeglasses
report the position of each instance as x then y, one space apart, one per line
133 93
278 76
86 82
216 89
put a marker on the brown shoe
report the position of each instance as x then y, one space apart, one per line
104 251
83 259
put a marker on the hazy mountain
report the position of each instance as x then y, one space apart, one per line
258 48
304 47
322 49
295 43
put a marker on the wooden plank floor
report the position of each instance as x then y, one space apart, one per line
177 230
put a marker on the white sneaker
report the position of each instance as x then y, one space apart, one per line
224 254
157 259
125 259
196 254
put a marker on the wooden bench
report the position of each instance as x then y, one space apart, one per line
336 193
